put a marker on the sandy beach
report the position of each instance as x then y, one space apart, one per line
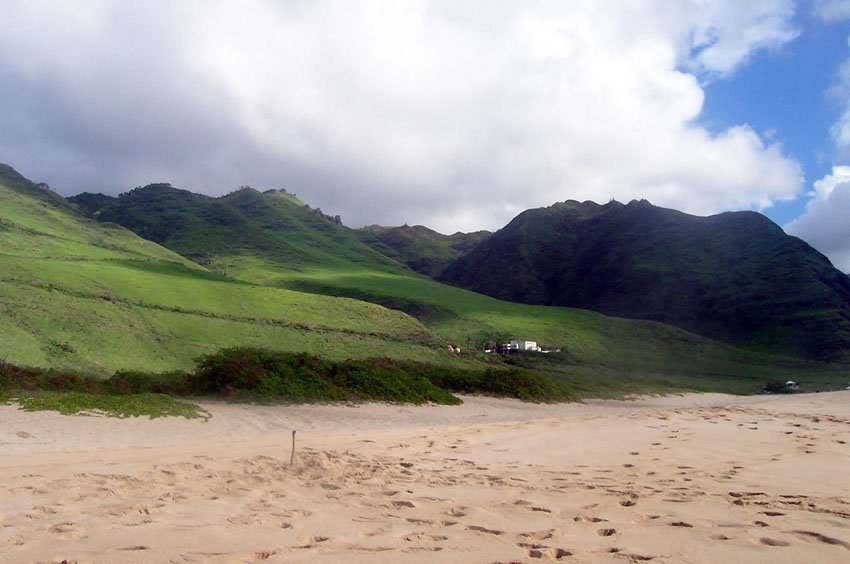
696 478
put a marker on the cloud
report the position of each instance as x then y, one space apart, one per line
726 34
840 93
832 10
457 115
824 224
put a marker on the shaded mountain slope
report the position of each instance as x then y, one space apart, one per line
423 250
735 276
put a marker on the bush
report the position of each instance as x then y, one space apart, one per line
260 373
512 383
14 377
305 377
777 387
175 383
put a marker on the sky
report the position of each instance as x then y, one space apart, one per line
453 114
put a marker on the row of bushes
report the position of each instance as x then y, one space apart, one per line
258 373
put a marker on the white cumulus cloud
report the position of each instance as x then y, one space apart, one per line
832 10
840 93
453 114
826 222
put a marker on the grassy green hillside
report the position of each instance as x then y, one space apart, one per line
91 296
274 224
594 346
422 249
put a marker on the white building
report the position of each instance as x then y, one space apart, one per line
519 345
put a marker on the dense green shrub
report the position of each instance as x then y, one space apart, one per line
175 383
254 373
511 383
14 377
305 377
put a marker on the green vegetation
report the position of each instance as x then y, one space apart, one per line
261 374
271 224
736 277
614 383
88 297
94 297
601 353
121 406
422 249
305 377
298 249
70 393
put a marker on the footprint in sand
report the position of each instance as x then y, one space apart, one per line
424 537
546 552
458 511
585 519
530 506
481 529
15 541
822 538
293 513
66 531
311 542
40 511
25 435
431 522
773 542
635 557
543 534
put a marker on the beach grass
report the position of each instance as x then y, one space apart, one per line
106 405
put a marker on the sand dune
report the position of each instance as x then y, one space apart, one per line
705 478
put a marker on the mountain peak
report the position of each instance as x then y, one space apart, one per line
9 173
734 276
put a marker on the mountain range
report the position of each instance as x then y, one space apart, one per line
156 276
735 277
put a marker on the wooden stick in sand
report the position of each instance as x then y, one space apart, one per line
292 456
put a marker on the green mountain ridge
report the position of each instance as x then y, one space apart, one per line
734 276
242 222
422 249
